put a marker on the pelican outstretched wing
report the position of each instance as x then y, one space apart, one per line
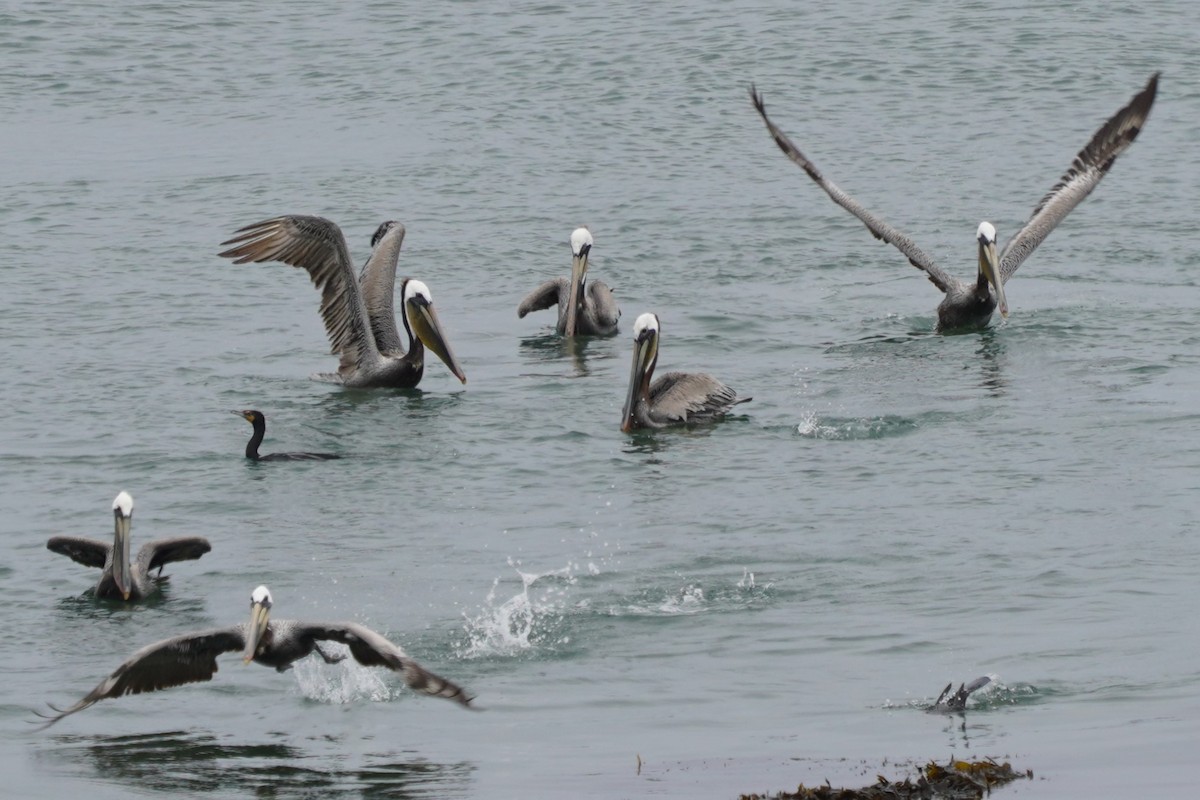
602 307
316 245
164 551
372 650
189 658
543 297
692 397
377 282
878 228
88 552
1092 163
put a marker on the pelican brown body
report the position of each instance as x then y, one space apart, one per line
121 578
969 304
584 309
192 657
676 398
358 314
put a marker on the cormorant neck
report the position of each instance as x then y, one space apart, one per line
260 430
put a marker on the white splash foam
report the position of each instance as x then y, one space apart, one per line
338 684
522 622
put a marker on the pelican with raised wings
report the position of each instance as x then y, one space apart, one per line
192 657
121 579
676 398
584 309
358 314
969 304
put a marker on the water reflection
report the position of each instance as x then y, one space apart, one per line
991 352
550 347
182 763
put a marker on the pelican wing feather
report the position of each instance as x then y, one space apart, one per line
878 228
1085 172
165 551
544 296
316 245
691 397
189 658
88 552
373 650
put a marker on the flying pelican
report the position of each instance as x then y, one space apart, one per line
970 304
192 657
259 421
358 314
589 310
676 398
947 702
119 578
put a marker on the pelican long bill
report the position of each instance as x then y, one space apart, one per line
989 265
644 353
428 328
578 271
122 522
260 617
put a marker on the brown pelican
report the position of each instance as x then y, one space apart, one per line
358 314
120 578
259 421
192 657
970 304
589 310
677 398
957 701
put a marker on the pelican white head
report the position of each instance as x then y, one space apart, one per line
414 288
123 504
646 322
581 241
989 264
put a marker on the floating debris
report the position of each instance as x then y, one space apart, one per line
957 780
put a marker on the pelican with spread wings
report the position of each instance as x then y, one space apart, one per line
969 304
358 313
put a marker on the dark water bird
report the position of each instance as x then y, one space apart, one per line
957 701
121 579
969 304
192 657
677 398
358 314
584 309
259 421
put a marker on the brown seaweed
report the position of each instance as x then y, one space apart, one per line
956 780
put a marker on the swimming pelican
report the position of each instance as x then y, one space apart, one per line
947 702
259 421
677 398
192 657
119 578
589 310
358 314
970 304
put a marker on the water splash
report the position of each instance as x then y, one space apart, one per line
814 427
338 684
532 618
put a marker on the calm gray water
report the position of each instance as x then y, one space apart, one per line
768 601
